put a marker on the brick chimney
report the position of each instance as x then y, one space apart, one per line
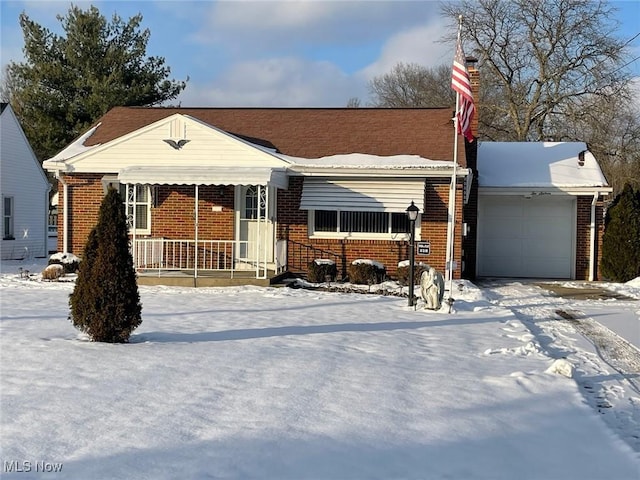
474 77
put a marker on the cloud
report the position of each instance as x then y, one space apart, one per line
276 82
261 25
419 45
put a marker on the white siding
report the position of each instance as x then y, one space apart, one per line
388 195
22 178
206 146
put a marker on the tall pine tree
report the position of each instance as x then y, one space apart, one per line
66 82
621 240
105 302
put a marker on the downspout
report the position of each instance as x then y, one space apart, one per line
65 213
592 243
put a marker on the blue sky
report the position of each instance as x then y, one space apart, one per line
264 53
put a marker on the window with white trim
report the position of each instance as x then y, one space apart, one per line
138 198
7 218
373 225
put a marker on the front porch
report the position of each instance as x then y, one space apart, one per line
160 261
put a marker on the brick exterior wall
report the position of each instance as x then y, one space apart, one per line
172 218
583 236
293 226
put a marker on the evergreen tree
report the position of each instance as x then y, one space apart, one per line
69 81
621 240
105 303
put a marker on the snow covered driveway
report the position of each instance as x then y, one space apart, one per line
601 338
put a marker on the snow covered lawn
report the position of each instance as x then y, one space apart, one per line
279 383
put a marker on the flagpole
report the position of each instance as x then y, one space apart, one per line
452 195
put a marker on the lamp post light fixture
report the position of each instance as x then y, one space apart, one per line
412 213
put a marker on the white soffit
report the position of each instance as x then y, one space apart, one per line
389 195
196 175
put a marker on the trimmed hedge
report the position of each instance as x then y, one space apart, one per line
403 273
366 272
319 270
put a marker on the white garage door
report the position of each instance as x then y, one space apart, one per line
529 238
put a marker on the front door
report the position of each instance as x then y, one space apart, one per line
255 224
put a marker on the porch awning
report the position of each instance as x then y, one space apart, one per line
199 175
388 195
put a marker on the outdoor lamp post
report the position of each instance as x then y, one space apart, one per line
412 213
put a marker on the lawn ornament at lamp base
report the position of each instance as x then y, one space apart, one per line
432 288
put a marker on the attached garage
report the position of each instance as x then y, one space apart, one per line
530 236
539 210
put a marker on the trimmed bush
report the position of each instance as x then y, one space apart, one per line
69 261
403 272
621 240
366 272
319 270
105 303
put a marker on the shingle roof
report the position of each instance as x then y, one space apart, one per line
310 132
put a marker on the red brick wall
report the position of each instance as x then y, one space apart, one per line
173 218
583 236
85 196
292 225
172 215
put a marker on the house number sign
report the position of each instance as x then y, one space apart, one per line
424 248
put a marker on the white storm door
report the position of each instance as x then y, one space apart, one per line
256 232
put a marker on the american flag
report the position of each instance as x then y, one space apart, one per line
462 85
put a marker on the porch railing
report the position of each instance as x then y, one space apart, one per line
300 254
164 255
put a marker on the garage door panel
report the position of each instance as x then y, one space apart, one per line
520 237
512 249
509 227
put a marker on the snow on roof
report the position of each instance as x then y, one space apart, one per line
538 164
363 160
75 148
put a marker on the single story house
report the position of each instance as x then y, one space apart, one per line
250 193
24 190
540 210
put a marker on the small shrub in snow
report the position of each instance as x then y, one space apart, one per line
105 303
53 272
366 272
403 272
69 261
320 270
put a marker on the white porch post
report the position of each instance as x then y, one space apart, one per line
195 259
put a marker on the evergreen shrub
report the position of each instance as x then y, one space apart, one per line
319 270
366 272
105 303
621 240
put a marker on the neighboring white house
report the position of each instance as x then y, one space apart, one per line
24 192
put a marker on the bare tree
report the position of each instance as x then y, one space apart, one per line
412 85
537 59
354 102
